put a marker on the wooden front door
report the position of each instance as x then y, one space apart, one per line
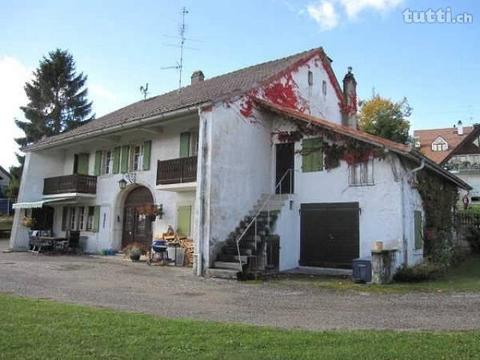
137 227
329 234
285 157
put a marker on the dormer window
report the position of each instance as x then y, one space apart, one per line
439 144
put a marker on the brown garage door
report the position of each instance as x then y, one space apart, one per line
329 234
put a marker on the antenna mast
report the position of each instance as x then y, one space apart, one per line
183 29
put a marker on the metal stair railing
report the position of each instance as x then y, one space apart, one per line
289 172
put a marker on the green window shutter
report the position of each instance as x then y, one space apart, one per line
312 158
98 163
125 158
116 160
82 167
184 215
147 154
418 230
96 219
184 144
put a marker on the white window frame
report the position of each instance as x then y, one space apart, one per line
81 218
136 163
361 174
107 162
90 218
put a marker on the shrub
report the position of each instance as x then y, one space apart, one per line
421 272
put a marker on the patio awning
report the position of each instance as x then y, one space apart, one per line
40 203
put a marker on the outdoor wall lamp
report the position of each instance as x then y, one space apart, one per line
122 184
129 178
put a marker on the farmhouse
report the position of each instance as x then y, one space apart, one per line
264 168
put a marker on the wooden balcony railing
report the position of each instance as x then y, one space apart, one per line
177 171
70 184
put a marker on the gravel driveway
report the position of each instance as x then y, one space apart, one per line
175 292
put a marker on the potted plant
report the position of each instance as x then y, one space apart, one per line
134 251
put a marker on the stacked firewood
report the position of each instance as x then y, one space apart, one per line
173 238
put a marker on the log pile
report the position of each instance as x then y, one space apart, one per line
173 238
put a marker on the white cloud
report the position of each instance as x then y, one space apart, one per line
100 92
329 13
13 75
324 13
355 7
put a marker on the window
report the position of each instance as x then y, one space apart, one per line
324 88
310 78
137 158
72 218
312 155
361 174
439 144
81 218
107 162
418 230
90 218
188 144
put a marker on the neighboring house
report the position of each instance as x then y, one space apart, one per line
213 154
4 181
457 149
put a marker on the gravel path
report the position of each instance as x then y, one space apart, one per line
175 292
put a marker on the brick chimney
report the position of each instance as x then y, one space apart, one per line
349 108
197 77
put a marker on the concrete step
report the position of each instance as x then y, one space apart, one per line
227 265
233 251
264 197
232 258
221 273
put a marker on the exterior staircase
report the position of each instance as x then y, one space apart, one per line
253 245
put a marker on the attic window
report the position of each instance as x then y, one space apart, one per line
310 78
439 144
324 88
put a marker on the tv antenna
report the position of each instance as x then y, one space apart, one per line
144 90
181 32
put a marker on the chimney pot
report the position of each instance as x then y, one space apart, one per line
349 112
197 77
459 127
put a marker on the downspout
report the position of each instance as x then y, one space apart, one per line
404 220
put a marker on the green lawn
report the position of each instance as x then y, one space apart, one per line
463 278
39 329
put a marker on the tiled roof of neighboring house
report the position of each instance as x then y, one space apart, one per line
203 92
450 135
401 149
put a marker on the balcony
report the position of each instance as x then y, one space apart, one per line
177 171
82 184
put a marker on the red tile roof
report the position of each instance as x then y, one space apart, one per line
203 92
426 137
401 149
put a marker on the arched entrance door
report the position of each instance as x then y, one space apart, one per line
137 227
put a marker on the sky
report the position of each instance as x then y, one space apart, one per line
121 45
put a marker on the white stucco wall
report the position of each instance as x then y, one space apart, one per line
37 166
165 145
240 169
